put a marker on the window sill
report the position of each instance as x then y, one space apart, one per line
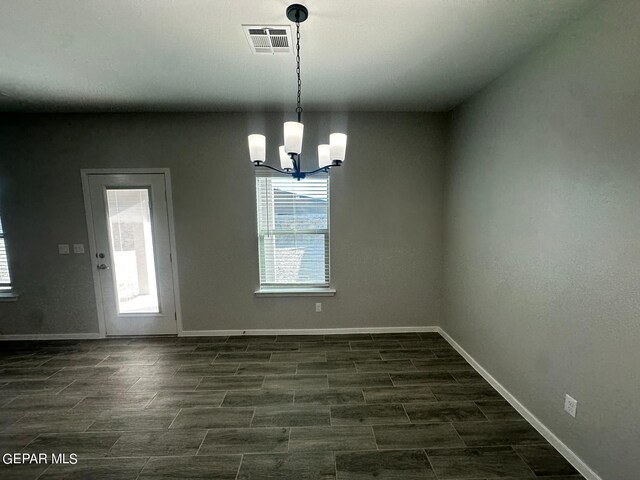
8 297
296 292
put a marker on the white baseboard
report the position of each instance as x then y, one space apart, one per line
304 331
218 333
564 450
52 336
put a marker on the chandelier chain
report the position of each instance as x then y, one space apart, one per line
298 107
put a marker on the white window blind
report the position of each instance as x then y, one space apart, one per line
293 231
5 278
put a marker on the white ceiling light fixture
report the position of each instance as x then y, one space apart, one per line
331 155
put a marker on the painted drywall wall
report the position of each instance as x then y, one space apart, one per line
542 229
386 209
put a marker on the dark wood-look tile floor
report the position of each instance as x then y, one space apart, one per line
349 407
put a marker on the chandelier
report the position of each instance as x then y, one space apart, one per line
329 155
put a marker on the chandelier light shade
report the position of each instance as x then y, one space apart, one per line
285 160
338 146
331 155
293 137
324 155
257 148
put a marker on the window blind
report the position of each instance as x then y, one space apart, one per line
5 278
293 231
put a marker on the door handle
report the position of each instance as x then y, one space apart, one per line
102 266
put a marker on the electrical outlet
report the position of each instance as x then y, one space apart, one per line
570 405
78 248
318 307
63 249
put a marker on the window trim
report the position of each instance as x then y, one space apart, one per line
300 289
296 292
8 296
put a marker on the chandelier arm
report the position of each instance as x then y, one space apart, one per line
321 169
286 172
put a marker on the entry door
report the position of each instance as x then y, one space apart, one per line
133 253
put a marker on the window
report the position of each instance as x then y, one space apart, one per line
293 231
5 278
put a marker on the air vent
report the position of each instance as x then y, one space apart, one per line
268 40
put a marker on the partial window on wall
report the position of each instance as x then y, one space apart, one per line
5 277
293 231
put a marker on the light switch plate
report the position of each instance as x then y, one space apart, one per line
78 248
570 405
63 249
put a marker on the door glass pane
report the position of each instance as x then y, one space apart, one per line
131 239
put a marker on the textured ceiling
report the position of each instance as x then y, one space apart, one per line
191 55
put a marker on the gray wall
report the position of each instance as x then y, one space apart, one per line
542 261
386 251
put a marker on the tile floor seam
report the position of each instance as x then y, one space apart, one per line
151 400
335 463
481 410
79 402
202 442
458 434
375 439
406 413
131 386
523 460
239 466
59 370
223 398
424 450
174 419
143 465
86 430
393 384
195 389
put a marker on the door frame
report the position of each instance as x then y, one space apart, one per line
86 193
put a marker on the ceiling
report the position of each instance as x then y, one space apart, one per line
191 55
